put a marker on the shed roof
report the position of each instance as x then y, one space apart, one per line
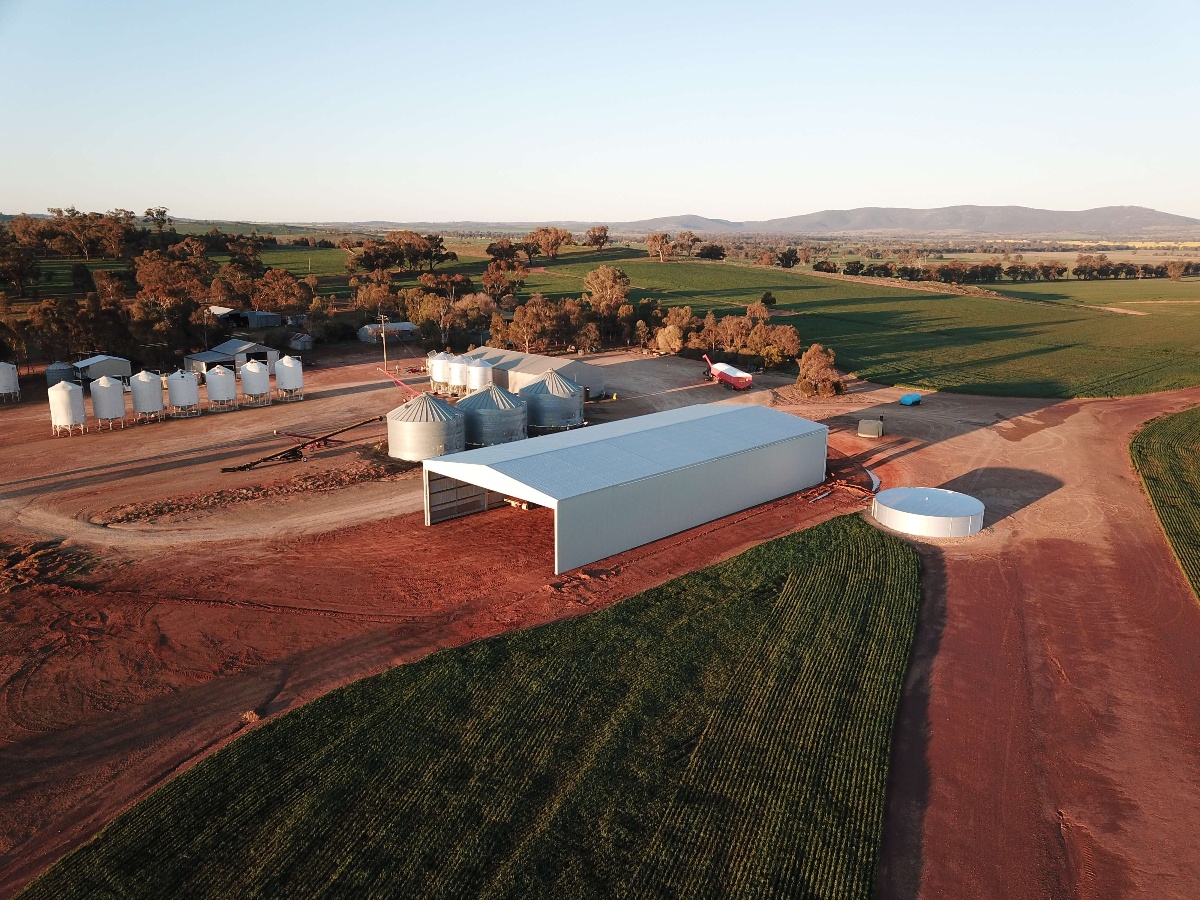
207 356
516 361
92 360
572 463
235 346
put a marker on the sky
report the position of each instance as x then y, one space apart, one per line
304 112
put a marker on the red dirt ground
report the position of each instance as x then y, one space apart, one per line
130 651
1047 744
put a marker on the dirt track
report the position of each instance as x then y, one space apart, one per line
1048 738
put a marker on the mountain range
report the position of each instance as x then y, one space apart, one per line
1104 221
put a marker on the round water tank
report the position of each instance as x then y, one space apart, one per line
289 374
438 367
220 385
108 398
183 389
9 382
457 380
479 374
256 380
66 405
425 427
59 371
147 389
928 512
554 402
494 416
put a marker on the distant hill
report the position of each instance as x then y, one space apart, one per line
998 221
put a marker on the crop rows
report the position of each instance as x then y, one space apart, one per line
1166 454
726 733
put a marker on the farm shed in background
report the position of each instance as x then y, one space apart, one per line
232 354
623 484
513 370
98 366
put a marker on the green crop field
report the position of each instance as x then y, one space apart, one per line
1139 293
1166 454
726 733
972 345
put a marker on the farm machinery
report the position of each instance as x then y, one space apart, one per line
732 378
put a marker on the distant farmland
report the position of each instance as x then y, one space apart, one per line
972 345
1166 454
728 732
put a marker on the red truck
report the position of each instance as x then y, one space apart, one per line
728 375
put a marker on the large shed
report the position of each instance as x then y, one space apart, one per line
98 366
513 370
233 354
623 484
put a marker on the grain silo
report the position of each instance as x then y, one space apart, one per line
183 393
221 387
494 416
59 371
555 403
289 379
256 384
10 383
425 427
438 365
457 380
66 408
108 401
146 389
479 374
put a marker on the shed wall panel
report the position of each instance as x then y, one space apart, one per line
611 520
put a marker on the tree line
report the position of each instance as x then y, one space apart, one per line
1087 267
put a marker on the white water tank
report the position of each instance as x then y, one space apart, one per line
147 389
479 374
59 371
256 380
289 374
183 390
10 384
220 385
108 399
66 406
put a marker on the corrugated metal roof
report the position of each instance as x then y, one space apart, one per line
235 346
527 363
425 408
553 383
491 397
92 360
571 463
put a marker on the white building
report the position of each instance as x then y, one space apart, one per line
623 484
98 366
232 354
513 370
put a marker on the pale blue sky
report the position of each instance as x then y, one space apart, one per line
302 111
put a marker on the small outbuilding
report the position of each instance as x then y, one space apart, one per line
233 354
99 366
373 333
623 484
300 341
513 370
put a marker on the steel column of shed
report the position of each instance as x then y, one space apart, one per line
623 484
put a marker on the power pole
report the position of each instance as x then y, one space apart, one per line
383 320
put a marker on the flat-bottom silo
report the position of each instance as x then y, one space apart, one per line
494 416
425 427
555 403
